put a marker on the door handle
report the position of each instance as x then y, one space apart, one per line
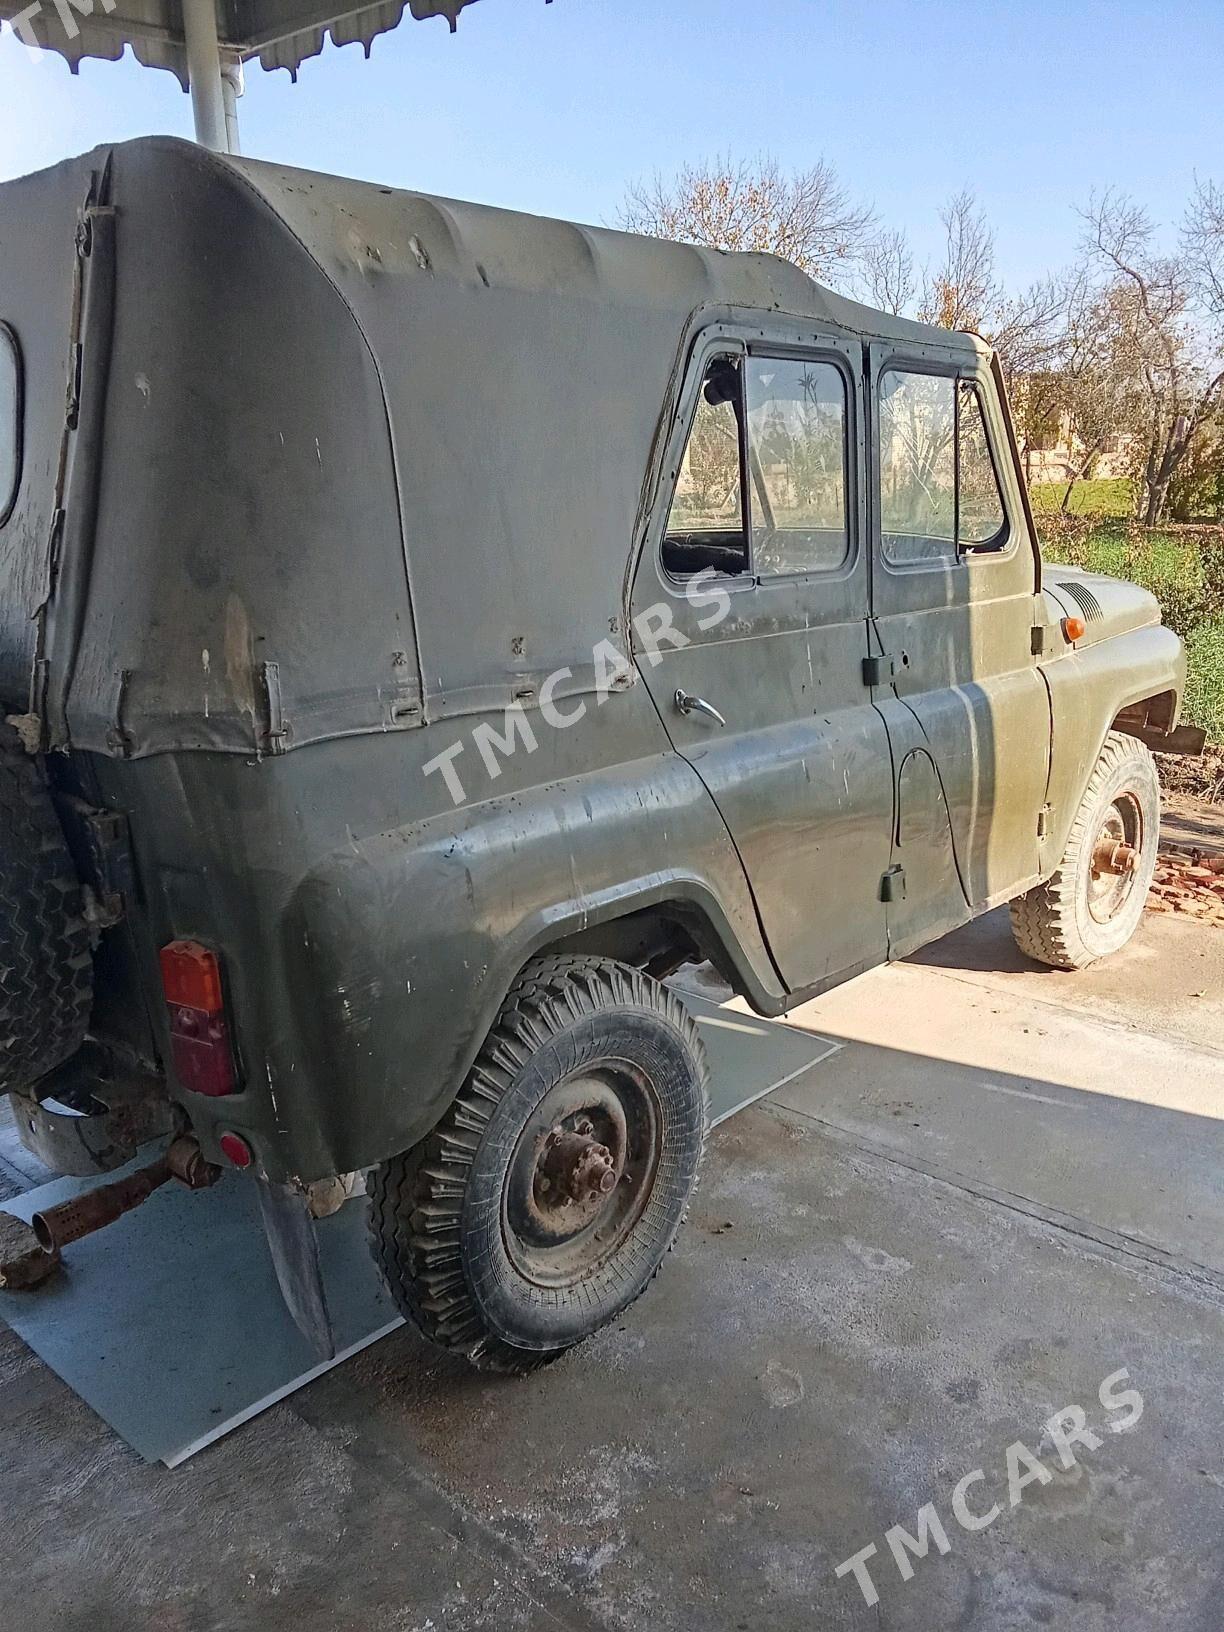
688 704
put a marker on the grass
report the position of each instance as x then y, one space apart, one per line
1183 567
1204 702
1110 496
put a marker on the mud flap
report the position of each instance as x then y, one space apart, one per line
294 1247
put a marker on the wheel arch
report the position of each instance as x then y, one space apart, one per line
1155 720
659 935
678 917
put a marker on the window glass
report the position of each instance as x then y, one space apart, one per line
10 422
981 503
917 467
797 458
705 528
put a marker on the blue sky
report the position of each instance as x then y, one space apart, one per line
555 107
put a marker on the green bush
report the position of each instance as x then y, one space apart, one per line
1184 569
1204 700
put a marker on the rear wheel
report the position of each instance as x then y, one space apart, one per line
547 1197
1093 903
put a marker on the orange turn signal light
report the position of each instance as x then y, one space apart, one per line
191 976
1074 628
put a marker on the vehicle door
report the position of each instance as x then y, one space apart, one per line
750 629
954 579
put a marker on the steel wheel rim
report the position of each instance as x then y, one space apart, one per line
561 1218
1110 885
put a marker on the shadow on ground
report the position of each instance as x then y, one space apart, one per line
850 1324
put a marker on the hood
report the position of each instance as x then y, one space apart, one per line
1108 606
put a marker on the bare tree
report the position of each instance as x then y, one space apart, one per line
1179 391
1099 377
962 290
887 271
1028 329
808 217
1203 242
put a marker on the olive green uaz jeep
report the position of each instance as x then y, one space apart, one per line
424 628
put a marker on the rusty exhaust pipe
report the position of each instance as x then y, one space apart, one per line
59 1227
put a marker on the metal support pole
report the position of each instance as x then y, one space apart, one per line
232 87
204 73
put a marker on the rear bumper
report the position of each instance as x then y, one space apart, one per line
93 1114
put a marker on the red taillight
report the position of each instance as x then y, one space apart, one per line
200 1045
236 1150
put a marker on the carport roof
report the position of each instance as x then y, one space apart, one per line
280 33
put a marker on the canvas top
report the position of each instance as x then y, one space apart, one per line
345 457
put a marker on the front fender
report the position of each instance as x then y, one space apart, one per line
1089 688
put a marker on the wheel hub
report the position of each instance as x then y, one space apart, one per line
580 1175
1115 858
575 1166
1111 856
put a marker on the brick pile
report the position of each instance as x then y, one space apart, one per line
1190 883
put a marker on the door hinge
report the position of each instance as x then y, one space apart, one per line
1037 639
119 738
72 407
892 885
878 670
55 549
1043 822
277 727
109 845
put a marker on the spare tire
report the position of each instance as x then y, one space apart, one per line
46 960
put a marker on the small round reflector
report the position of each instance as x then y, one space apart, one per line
236 1150
1074 628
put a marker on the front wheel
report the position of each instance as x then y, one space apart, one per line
1093 903
545 1200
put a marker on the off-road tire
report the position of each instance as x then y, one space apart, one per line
46 961
1053 923
437 1212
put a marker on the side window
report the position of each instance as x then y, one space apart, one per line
10 422
939 490
797 459
982 517
706 527
917 467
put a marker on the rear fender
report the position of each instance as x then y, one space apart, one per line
402 947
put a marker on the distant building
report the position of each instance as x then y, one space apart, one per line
1052 451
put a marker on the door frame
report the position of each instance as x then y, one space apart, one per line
953 363
800 756
992 589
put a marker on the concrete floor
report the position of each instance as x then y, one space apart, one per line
1004 1187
